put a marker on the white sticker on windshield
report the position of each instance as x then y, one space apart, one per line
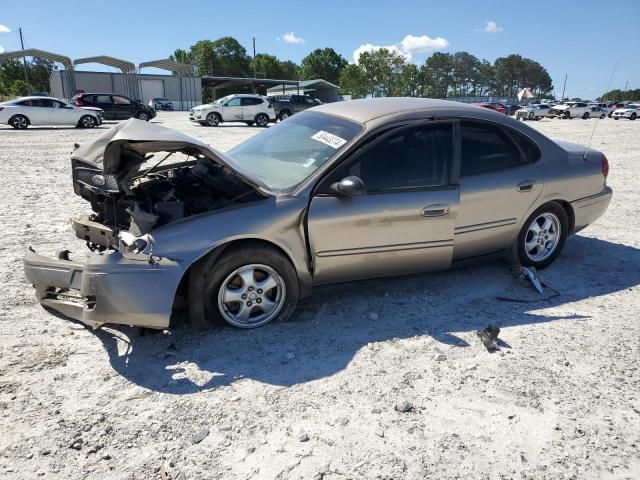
330 139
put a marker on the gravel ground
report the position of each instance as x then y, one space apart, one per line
384 380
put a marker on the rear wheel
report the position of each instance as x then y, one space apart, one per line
633 116
567 115
542 237
248 287
19 122
585 116
602 116
143 116
87 121
262 120
284 115
213 119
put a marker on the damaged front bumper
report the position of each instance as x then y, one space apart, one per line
108 288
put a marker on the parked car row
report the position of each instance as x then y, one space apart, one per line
584 110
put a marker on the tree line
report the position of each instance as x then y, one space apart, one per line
12 77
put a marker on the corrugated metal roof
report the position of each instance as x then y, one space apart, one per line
178 68
34 52
310 84
123 65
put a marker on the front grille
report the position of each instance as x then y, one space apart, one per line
95 179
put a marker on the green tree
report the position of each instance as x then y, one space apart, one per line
290 70
437 75
20 88
411 81
323 63
465 70
268 66
382 69
353 81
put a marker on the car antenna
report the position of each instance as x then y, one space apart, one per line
606 91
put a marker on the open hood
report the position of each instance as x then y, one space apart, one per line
124 146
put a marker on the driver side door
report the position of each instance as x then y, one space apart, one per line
404 222
232 110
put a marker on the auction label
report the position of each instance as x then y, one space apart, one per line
330 139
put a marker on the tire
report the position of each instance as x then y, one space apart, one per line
616 118
143 116
633 116
585 116
610 114
602 116
237 274
567 115
213 119
87 121
529 251
284 115
249 123
262 120
531 115
19 122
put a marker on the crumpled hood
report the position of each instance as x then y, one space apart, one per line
142 138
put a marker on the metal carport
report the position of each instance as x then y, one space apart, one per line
186 80
128 70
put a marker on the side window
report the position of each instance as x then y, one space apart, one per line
118 100
485 148
234 102
528 147
102 99
412 158
41 102
25 103
249 102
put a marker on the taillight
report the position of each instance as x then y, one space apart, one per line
79 101
605 166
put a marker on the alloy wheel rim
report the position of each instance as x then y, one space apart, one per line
284 116
88 122
143 116
251 296
543 236
262 120
20 122
212 120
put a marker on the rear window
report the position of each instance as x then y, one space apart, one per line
485 148
528 147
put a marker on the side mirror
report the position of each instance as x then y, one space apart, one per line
349 187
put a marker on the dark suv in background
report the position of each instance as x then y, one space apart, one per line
287 105
116 107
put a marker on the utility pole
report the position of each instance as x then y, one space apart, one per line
626 85
563 87
24 60
253 84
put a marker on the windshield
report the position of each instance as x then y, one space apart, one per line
285 155
222 100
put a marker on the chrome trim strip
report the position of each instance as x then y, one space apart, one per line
386 248
485 226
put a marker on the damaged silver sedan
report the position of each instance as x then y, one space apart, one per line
342 192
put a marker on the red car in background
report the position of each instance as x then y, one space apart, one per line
498 107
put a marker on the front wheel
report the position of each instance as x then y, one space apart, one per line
87 121
143 116
248 287
585 116
633 116
213 119
602 116
542 237
19 122
262 120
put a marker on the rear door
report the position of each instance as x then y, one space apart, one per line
105 103
251 106
123 107
499 181
404 223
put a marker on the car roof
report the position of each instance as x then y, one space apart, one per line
367 109
35 97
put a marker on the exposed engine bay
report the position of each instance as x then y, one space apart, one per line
146 192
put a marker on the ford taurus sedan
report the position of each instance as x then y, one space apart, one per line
341 192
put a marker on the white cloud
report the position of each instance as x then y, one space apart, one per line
423 44
411 44
490 27
2 50
292 38
4 29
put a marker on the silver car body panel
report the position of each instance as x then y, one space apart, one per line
327 238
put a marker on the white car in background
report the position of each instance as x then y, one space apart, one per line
250 109
534 111
571 110
24 111
631 111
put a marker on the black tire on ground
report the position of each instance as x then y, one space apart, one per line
602 116
585 116
284 115
213 119
262 120
517 254
567 115
87 121
610 114
143 116
249 123
207 280
19 122
616 118
633 116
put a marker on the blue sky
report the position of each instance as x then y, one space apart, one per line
584 39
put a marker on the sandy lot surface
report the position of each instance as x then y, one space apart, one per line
315 398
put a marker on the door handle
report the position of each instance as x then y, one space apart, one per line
526 186
435 210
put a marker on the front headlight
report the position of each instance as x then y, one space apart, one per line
135 248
